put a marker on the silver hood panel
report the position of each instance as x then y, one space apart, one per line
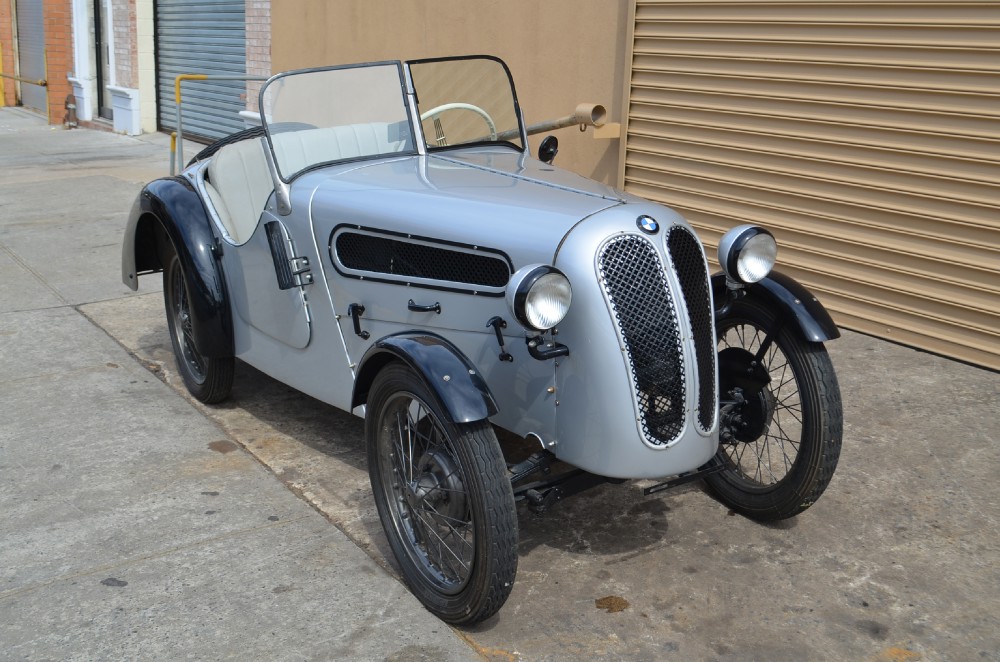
496 199
496 195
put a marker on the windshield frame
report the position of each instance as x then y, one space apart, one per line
411 113
406 96
422 143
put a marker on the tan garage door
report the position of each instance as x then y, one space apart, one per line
865 134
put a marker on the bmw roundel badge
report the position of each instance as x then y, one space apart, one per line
647 224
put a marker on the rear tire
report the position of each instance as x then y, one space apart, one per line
444 497
209 380
783 443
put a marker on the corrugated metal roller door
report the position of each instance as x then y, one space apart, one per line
31 53
201 37
866 135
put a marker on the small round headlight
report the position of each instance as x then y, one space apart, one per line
747 253
539 296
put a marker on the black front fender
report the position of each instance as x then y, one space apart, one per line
170 211
447 371
788 298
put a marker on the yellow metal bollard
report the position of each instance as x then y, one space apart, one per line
173 152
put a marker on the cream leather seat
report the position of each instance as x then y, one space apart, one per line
239 183
300 149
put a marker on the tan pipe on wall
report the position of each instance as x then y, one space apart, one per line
586 114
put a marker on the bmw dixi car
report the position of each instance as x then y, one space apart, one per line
385 242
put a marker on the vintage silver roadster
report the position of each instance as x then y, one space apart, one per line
385 243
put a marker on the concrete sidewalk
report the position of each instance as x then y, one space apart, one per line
132 526
136 524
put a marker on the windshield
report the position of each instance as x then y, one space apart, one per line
466 100
336 114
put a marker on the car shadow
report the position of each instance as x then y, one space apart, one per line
609 519
613 519
319 426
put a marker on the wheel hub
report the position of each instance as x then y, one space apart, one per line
747 381
437 488
756 414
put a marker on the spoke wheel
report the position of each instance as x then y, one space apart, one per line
780 437
444 499
208 379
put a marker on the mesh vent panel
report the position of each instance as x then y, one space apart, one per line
690 267
386 255
632 275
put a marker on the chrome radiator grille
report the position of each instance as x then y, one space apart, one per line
686 255
645 309
632 276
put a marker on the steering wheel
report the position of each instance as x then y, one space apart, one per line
437 110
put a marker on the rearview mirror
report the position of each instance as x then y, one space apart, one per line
548 149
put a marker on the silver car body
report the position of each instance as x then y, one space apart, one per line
491 205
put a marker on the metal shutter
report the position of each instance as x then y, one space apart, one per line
201 37
866 135
31 53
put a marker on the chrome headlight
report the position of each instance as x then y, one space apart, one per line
539 296
747 253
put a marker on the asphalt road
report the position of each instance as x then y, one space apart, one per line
897 561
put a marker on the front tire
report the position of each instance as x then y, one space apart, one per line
444 498
208 379
781 444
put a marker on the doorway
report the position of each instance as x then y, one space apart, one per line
104 57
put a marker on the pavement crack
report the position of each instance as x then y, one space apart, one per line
41 279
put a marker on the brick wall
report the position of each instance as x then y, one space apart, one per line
58 21
7 52
58 16
59 49
126 48
58 53
258 36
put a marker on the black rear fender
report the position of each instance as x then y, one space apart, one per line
168 217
